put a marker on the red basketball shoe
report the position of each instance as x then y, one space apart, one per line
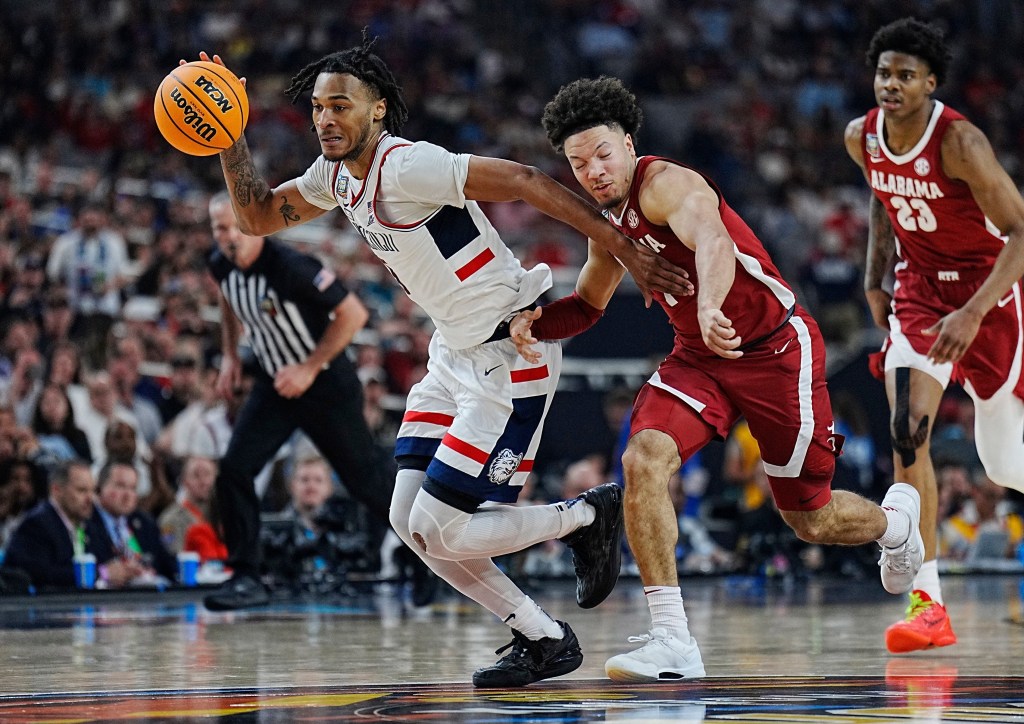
925 626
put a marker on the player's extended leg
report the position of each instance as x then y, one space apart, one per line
542 647
666 431
999 435
914 396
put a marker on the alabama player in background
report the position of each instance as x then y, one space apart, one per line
955 221
743 346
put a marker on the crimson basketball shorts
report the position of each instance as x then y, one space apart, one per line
992 362
778 386
477 417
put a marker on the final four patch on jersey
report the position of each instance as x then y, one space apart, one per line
341 185
871 143
323 279
504 466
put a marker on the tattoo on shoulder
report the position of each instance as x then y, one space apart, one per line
288 212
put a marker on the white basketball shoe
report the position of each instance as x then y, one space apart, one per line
663 657
900 565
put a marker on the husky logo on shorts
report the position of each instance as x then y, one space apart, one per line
504 466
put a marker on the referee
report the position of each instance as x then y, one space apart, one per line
298 319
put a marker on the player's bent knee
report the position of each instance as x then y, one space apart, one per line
429 537
1007 473
908 429
645 465
803 502
810 526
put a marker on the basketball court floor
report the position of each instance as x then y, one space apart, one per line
773 653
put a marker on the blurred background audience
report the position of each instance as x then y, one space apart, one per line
109 322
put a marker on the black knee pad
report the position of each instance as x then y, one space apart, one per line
904 442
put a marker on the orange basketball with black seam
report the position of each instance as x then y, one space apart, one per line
201 108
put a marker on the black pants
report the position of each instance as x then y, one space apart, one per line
330 412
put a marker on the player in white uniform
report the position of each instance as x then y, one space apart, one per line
473 424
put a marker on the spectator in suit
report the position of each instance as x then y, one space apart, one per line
128 546
55 531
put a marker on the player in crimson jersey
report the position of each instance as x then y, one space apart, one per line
742 347
941 202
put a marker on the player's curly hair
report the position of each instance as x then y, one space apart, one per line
368 68
588 103
913 37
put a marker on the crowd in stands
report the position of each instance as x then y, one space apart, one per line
108 319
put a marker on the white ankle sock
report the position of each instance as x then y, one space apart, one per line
666 605
575 514
533 622
898 529
927 580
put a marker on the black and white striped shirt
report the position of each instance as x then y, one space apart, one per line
284 300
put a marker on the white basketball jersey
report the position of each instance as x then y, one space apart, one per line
412 212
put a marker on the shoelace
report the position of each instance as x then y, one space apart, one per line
644 638
896 559
917 606
520 647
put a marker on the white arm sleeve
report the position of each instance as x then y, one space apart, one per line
426 174
315 184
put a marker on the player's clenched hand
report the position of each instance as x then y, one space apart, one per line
718 333
653 273
880 304
519 329
955 333
203 55
293 380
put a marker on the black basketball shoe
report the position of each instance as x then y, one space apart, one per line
530 661
240 591
596 549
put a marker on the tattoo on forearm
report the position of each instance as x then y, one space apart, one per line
248 185
288 211
881 245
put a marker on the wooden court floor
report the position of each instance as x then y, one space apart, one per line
773 653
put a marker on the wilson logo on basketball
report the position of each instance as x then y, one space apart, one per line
193 117
215 93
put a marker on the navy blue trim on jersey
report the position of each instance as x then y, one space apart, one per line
449 496
527 413
424 447
453 229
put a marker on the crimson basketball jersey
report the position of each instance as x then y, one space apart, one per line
759 299
938 225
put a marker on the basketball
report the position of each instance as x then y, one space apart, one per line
201 108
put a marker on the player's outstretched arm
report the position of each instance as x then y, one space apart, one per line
967 155
574 314
492 179
259 209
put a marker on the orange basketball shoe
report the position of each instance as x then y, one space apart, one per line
925 626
